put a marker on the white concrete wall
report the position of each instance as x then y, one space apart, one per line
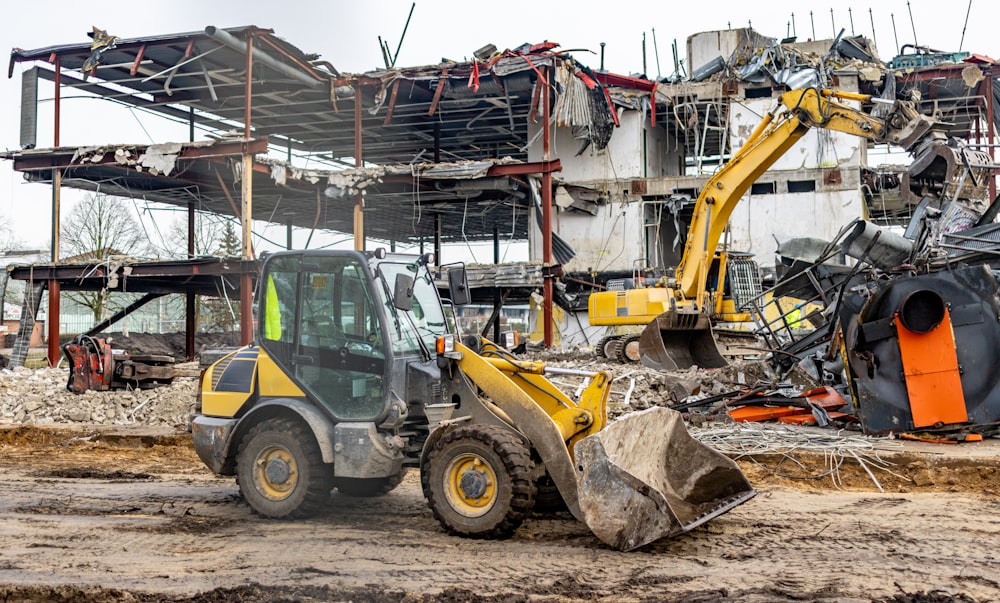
614 239
757 220
622 158
817 149
611 240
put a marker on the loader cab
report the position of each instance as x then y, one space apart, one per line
344 325
320 322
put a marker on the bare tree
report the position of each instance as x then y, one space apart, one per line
208 231
98 229
222 314
10 244
213 235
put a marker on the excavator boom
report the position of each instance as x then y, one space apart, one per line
667 342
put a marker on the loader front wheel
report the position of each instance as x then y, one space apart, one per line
478 481
280 470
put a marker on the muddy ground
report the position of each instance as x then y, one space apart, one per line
90 514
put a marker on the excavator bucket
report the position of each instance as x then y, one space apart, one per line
679 340
644 477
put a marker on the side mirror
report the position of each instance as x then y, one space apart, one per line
458 286
402 295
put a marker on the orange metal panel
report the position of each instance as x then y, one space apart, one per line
808 419
930 367
825 397
764 413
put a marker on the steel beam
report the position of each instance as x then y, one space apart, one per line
359 199
30 161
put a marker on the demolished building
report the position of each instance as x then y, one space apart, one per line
596 171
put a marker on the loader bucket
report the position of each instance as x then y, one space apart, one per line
644 477
679 340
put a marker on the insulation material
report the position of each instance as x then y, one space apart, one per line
160 158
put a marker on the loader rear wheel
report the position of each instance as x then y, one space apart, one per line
367 488
280 470
478 481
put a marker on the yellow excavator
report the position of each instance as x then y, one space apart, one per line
357 374
678 317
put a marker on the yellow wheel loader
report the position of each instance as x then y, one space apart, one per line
355 376
678 317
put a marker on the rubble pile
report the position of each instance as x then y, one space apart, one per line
636 387
40 396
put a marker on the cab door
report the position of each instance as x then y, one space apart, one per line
320 325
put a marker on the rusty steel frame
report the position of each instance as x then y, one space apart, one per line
547 292
246 217
52 317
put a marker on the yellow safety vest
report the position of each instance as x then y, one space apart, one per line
272 312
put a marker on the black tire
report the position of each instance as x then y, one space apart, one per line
547 498
368 488
280 470
627 351
599 348
478 481
610 347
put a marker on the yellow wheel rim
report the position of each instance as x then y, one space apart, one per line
275 473
470 485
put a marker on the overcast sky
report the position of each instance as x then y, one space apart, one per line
346 34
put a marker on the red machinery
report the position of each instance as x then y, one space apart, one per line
94 366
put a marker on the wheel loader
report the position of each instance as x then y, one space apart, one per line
356 375
678 315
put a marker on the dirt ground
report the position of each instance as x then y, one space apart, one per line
101 515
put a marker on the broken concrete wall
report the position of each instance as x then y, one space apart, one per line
612 240
759 220
623 157
705 47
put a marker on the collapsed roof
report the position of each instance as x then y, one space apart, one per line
444 147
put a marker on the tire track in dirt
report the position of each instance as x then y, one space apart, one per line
184 532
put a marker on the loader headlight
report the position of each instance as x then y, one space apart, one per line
445 346
510 339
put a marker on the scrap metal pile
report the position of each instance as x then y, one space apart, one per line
910 334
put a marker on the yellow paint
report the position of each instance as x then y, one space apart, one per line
275 490
538 334
274 382
470 465
524 384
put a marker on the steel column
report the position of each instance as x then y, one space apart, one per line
497 301
359 199
190 305
546 216
52 318
437 239
246 215
991 129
